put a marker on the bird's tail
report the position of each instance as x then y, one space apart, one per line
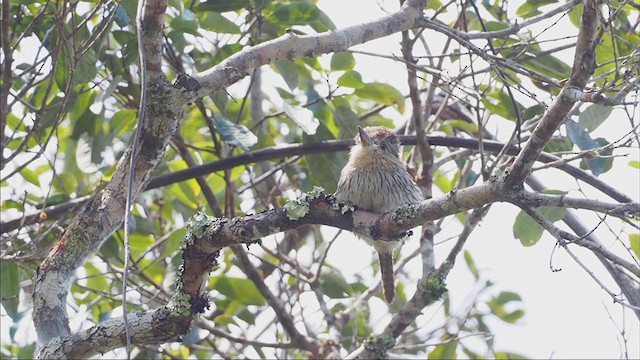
386 270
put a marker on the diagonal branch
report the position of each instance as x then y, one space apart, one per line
290 46
583 68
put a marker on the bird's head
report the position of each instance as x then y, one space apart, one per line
377 140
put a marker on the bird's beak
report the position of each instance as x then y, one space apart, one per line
364 138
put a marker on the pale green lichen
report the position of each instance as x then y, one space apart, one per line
198 223
299 208
316 192
409 211
343 208
201 225
377 346
179 304
433 288
296 209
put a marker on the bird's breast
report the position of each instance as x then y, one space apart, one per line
379 190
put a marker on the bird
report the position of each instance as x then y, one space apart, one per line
376 180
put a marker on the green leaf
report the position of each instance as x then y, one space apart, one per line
634 243
86 68
583 140
296 13
447 350
495 25
497 306
220 98
14 123
241 290
334 285
345 118
512 317
30 176
351 79
434 5
559 144
506 297
215 22
62 71
289 72
553 214
342 61
123 121
549 65
302 117
234 134
85 124
382 94
222 5
323 23
186 191
123 37
111 249
173 242
499 102
95 278
140 243
448 125
443 182
186 22
531 112
593 116
530 8
528 231
27 351
311 62
82 103
324 168
554 192
10 288
471 264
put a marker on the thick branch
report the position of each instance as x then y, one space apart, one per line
146 328
104 213
290 46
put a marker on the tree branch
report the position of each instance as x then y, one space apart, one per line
279 151
583 67
290 46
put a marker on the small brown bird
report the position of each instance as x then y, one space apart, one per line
376 180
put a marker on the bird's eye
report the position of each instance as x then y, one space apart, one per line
383 147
